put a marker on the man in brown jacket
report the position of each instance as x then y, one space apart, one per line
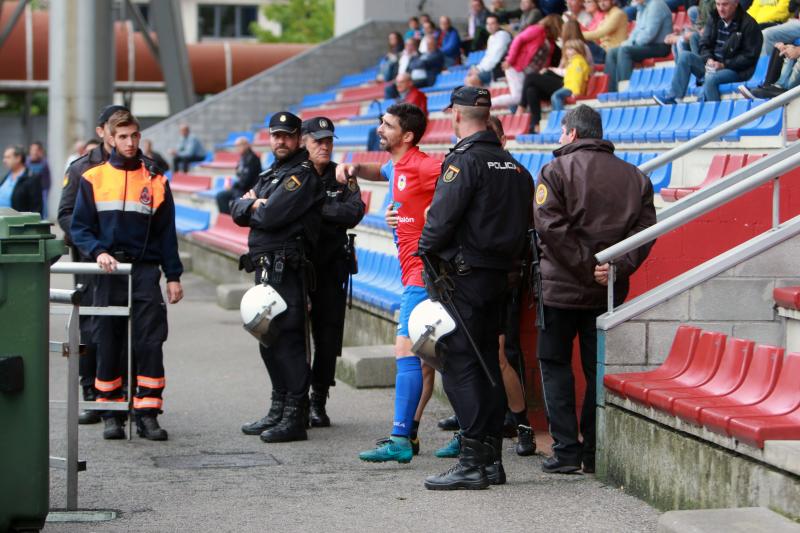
587 199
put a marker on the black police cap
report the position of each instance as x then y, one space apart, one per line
318 127
107 111
470 97
284 122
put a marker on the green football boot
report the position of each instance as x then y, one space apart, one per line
391 449
451 449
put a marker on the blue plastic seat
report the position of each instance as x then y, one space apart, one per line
189 219
722 114
318 99
626 118
690 119
666 132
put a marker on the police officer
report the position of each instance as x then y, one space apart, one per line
124 212
96 156
283 214
334 261
475 231
587 199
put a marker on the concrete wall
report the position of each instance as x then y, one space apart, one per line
276 88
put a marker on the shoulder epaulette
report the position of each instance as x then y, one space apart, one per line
463 148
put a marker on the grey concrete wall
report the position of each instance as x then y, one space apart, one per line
285 84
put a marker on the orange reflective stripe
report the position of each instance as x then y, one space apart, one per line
109 185
110 400
147 403
150 383
107 386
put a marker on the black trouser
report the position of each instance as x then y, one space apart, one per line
87 363
223 201
328 303
479 407
513 345
538 87
555 361
774 67
181 163
285 358
149 316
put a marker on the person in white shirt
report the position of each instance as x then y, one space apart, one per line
496 48
409 53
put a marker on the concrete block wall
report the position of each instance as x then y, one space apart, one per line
275 89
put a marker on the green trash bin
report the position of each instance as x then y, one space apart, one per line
27 249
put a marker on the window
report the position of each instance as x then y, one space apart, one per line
226 21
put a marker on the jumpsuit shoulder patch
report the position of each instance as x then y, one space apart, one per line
451 173
292 184
541 194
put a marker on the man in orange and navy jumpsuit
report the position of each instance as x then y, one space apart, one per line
124 213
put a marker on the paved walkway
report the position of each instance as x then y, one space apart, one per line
216 381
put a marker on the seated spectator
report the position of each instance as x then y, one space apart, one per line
20 189
729 51
590 6
783 73
449 42
403 66
406 92
689 39
785 33
653 24
768 13
476 26
190 150
37 164
575 10
529 14
610 33
552 7
425 67
413 31
158 159
530 51
387 69
428 29
484 72
576 77
247 170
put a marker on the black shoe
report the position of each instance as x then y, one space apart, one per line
554 465
449 424
588 464
88 416
317 414
509 426
271 420
147 427
292 426
526 441
767 91
494 465
113 429
468 473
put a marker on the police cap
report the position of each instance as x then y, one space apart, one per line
470 97
318 128
106 113
284 122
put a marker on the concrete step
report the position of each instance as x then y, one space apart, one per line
367 366
741 520
229 295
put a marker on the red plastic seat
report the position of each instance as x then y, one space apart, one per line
714 413
679 357
183 182
262 138
225 234
440 131
701 369
787 297
366 197
222 160
360 94
371 157
730 375
514 125
333 113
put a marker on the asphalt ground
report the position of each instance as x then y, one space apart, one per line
211 477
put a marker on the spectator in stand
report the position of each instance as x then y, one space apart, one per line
406 92
576 77
423 18
653 24
427 66
610 33
78 149
526 15
21 188
689 39
476 26
489 67
590 6
769 13
449 42
575 10
147 150
530 51
37 164
428 30
410 51
247 170
729 51
786 33
783 73
387 69
413 31
190 150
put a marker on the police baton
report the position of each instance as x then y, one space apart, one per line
440 283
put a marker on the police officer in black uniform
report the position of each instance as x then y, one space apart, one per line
96 156
283 214
334 261
475 231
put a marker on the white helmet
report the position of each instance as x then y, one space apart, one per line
260 305
428 324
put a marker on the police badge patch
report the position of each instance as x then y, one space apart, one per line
352 185
451 173
145 197
292 184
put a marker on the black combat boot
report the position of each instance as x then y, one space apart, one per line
560 465
468 473
113 429
147 427
526 441
88 416
494 465
271 420
318 416
449 424
292 426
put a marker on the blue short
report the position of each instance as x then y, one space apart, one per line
412 296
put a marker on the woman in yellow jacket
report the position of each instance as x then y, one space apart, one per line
610 33
769 12
576 77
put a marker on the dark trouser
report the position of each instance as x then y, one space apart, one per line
620 60
598 52
87 363
513 345
328 303
181 163
538 87
555 361
479 297
285 358
774 68
149 318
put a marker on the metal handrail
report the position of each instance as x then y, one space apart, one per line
715 133
123 269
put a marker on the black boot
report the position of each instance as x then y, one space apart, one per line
558 465
147 427
88 416
449 424
271 420
494 464
509 426
113 429
292 426
526 441
468 473
318 416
